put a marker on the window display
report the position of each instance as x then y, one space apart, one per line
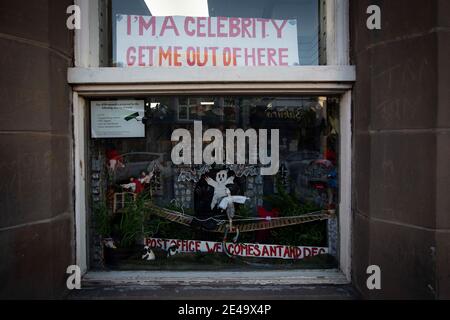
172 33
232 182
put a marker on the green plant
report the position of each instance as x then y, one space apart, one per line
167 229
310 234
289 205
102 220
244 211
133 216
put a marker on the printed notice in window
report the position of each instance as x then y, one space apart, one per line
177 41
117 119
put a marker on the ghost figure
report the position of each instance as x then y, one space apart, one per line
222 195
220 186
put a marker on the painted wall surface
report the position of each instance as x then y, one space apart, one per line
36 185
402 147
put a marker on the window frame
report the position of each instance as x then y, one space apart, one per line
88 80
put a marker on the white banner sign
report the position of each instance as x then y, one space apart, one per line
117 119
176 41
254 250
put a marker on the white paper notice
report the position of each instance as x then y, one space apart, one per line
117 119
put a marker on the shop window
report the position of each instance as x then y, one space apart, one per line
152 33
171 175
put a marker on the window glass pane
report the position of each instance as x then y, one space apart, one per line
285 32
256 175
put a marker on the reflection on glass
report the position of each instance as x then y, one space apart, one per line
304 12
305 182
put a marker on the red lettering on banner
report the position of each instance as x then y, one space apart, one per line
260 56
248 56
205 57
149 41
287 252
227 56
146 25
212 249
265 251
273 251
281 56
236 55
214 55
167 55
239 249
141 56
279 28
220 26
234 27
176 56
246 23
257 251
131 58
201 24
250 250
306 252
210 33
187 21
128 25
263 26
191 56
169 24
270 57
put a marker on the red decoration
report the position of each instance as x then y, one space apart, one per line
263 213
139 186
262 235
115 160
330 155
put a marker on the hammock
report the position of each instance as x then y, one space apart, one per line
243 225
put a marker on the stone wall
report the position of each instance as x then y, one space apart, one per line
401 118
36 185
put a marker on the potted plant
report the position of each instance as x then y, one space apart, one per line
103 228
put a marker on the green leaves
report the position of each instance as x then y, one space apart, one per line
102 220
310 234
132 219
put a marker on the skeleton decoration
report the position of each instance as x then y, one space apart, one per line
222 197
148 254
